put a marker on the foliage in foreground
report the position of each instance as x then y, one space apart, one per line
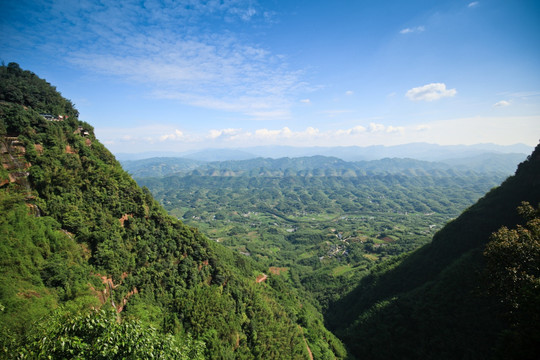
102 334
513 276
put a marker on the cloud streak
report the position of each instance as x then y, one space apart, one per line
417 29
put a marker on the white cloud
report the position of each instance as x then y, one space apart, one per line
423 128
266 133
373 127
473 4
176 135
309 133
395 129
138 137
430 92
305 101
356 130
224 133
349 92
502 103
416 29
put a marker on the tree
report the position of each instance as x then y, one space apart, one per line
100 334
513 273
513 259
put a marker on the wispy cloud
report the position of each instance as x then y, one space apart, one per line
170 48
416 29
430 92
256 107
336 112
523 94
473 4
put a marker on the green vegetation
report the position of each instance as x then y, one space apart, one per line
91 266
159 166
300 214
441 301
99 335
78 233
513 276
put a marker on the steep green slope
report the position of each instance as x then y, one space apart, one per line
434 303
77 232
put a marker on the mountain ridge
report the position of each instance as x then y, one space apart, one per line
419 151
321 165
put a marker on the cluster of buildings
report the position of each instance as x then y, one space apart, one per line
53 118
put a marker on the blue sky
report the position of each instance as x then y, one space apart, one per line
181 75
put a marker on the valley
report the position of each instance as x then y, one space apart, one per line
326 221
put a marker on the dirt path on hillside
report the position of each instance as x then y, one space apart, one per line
305 341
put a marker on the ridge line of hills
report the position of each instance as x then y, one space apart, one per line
420 151
321 166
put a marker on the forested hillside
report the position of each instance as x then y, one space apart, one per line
457 298
78 234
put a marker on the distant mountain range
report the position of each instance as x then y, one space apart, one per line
419 151
504 164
